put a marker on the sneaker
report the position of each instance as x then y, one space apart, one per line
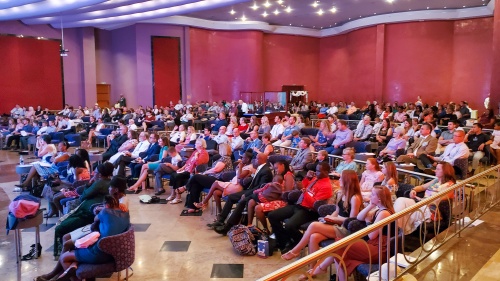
215 224
18 189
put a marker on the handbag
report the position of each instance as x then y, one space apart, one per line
87 240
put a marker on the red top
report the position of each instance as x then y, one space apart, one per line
199 157
321 190
243 128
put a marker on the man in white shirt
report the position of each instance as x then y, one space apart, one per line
333 109
128 156
17 111
214 107
179 106
456 150
131 125
277 129
221 137
244 106
236 140
364 129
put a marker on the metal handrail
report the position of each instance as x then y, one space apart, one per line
326 251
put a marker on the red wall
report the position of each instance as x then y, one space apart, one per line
472 60
224 63
31 73
347 67
290 60
166 70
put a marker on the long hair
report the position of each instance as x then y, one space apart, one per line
384 194
392 173
448 172
350 186
286 165
111 201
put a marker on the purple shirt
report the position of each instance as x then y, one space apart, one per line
342 137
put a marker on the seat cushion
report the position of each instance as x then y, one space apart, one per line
95 270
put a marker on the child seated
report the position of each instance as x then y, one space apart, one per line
266 199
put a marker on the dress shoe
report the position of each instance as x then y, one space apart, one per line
223 230
51 215
160 192
215 224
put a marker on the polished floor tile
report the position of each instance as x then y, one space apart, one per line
175 246
141 227
227 271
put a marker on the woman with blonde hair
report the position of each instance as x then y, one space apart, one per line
348 204
320 140
190 136
199 181
233 123
264 126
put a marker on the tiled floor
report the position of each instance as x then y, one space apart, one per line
174 247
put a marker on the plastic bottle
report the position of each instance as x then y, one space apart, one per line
21 160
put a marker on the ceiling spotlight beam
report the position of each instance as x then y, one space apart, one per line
16 3
43 8
165 12
119 11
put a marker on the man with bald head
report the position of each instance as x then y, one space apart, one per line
263 175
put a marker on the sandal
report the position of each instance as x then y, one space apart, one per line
200 205
190 211
170 198
176 201
181 190
289 255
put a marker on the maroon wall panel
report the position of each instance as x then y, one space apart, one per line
31 73
347 66
472 61
418 61
166 70
290 60
225 63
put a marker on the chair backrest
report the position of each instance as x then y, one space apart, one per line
360 146
106 131
463 165
211 145
121 247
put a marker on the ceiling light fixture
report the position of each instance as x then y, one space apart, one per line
243 18
267 4
232 12
276 12
315 4
254 7
288 9
280 2
320 12
389 1
265 14
333 10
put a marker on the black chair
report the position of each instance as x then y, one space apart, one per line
360 146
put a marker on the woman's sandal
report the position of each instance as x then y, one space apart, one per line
201 206
313 272
190 211
289 256
170 198
67 274
176 201
181 190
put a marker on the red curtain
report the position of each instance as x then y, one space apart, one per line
30 73
166 70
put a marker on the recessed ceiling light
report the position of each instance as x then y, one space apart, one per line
265 14
243 18
389 1
232 12
276 12
267 4
374 13
315 4
427 8
320 12
280 2
288 9
333 10
464 6
445 7
254 7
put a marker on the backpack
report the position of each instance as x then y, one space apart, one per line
242 240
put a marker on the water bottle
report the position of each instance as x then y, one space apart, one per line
21 160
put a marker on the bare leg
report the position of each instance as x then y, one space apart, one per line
32 173
251 210
261 216
315 227
218 202
215 187
142 178
67 259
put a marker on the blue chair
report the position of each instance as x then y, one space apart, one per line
74 140
104 133
56 137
